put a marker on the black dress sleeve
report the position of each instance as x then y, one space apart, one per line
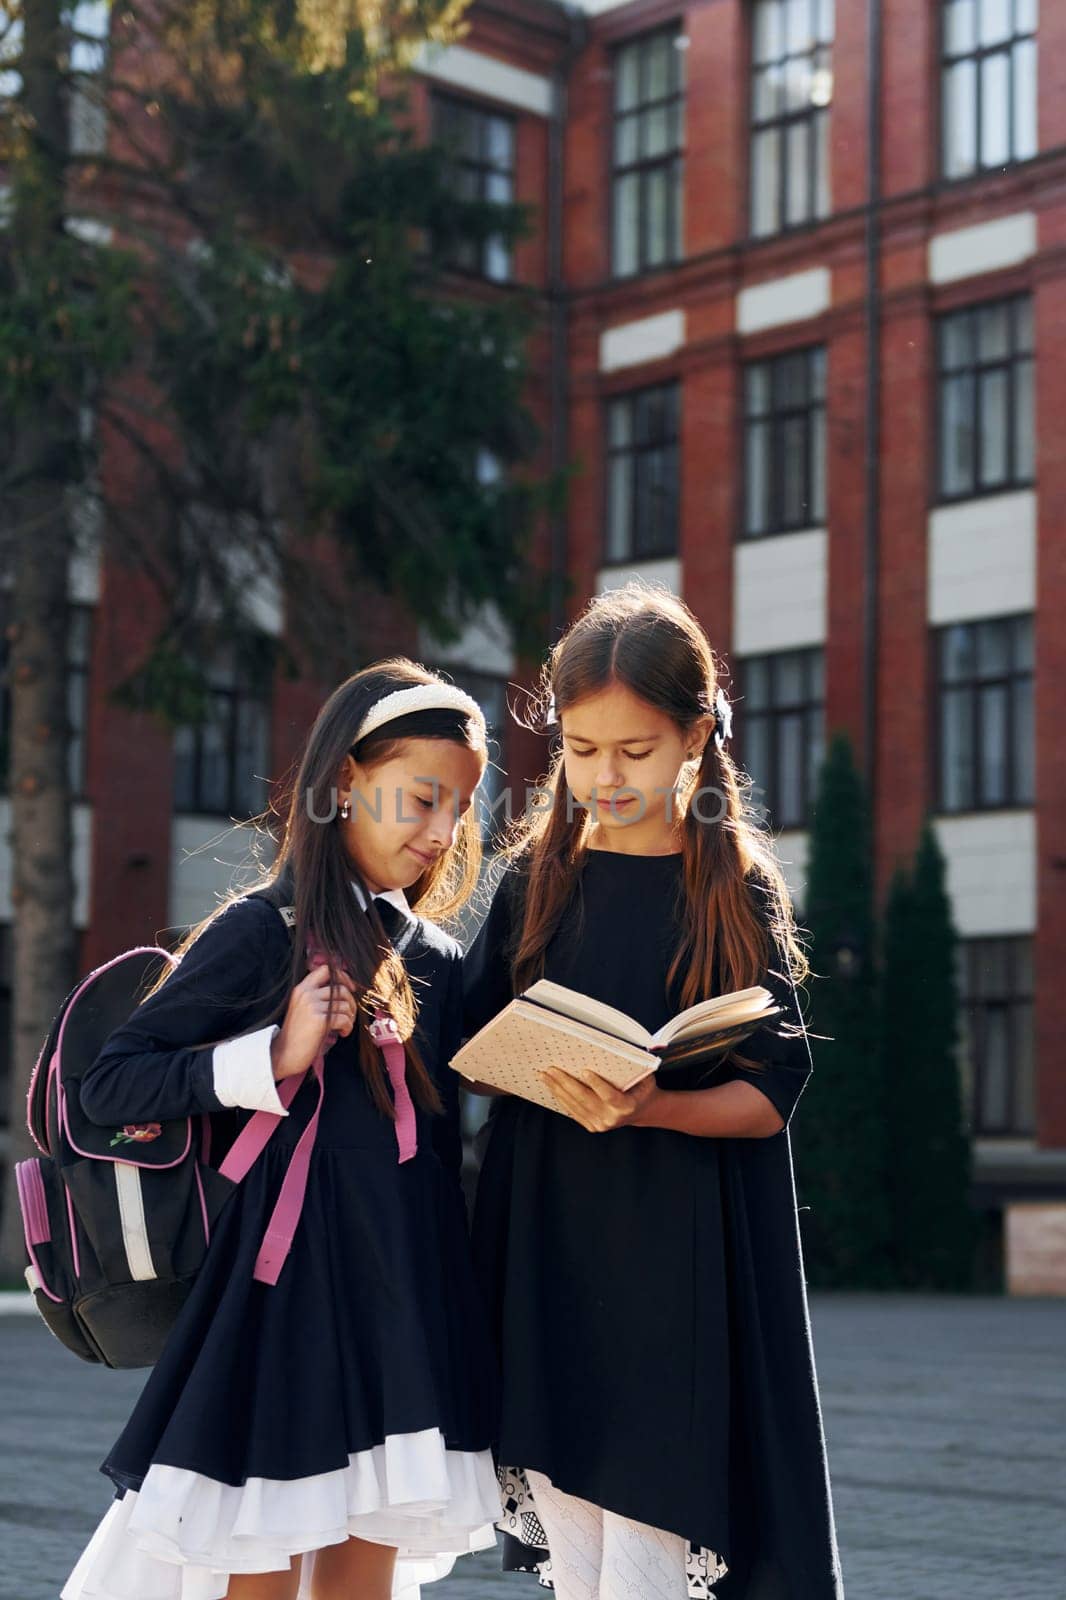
784 1058
231 979
780 1048
487 984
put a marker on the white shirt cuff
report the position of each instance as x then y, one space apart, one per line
244 1072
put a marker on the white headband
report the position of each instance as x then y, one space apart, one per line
420 697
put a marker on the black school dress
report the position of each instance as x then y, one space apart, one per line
355 1396
647 1286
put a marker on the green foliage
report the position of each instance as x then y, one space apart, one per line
397 387
933 1227
398 442
228 346
882 1154
65 326
173 681
284 289
841 1146
368 37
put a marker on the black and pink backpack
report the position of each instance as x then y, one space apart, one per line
117 1221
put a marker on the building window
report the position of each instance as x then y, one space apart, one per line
78 645
86 28
647 183
90 27
481 145
791 91
996 995
987 426
782 732
222 762
784 443
985 745
642 474
988 108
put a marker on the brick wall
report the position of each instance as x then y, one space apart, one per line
131 837
720 262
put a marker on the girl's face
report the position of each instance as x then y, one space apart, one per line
405 811
617 745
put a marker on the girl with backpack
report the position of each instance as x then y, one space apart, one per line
320 1419
660 1431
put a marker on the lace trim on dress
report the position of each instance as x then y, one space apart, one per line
703 1567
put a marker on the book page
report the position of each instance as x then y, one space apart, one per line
723 1011
701 1048
572 1003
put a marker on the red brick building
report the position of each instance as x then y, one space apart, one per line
808 265
802 278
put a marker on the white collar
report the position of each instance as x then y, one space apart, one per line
395 897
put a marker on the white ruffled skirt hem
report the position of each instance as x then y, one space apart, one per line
183 1535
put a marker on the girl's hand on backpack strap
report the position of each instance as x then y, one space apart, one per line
315 1008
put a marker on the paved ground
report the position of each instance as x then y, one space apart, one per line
946 1421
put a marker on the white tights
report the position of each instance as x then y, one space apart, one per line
596 1555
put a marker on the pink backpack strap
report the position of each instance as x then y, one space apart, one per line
254 1136
281 1229
386 1036
246 1150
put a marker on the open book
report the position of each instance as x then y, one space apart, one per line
551 1025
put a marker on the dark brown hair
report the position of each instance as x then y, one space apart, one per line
313 872
737 918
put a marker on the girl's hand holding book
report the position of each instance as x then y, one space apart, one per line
596 1104
550 1026
315 1009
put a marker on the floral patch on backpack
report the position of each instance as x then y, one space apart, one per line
138 1133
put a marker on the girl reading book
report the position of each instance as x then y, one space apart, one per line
660 1433
320 1421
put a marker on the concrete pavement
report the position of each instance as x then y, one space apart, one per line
946 1422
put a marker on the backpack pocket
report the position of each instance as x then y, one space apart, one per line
129 1323
46 1227
62 1320
144 1237
50 1274
142 1225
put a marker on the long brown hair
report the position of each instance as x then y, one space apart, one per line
737 917
313 872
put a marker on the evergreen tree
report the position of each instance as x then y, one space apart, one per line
224 249
933 1232
841 1153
